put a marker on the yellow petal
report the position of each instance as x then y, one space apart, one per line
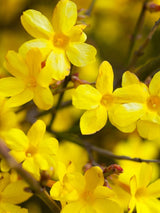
148 129
48 146
154 86
154 189
64 16
15 192
43 98
33 60
36 24
131 93
21 98
132 204
31 166
8 207
126 114
145 175
106 205
129 78
41 162
44 78
16 140
16 65
104 81
133 185
43 45
4 180
81 54
77 35
58 64
94 177
11 86
73 207
86 97
93 120
36 132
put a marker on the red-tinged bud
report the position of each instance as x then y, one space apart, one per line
152 7
87 166
77 81
112 169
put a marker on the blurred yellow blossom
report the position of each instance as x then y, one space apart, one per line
34 150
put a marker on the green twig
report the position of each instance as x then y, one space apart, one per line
88 12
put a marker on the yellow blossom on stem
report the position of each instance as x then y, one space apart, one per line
29 81
79 193
141 109
12 193
144 196
61 42
34 150
97 101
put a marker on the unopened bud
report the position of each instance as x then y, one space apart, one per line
152 7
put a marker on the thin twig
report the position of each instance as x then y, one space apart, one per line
65 83
140 51
148 68
33 183
88 12
75 139
138 26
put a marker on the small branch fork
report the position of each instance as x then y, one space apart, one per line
33 183
140 51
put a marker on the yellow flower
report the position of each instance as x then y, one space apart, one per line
8 118
12 193
29 80
141 109
97 101
62 42
85 193
144 195
34 150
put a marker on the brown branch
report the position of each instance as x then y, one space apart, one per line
33 183
140 51
75 139
138 26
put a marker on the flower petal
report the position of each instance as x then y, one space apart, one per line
76 34
59 65
36 133
145 175
64 16
15 192
43 45
129 78
148 129
21 98
81 54
43 98
16 140
36 24
154 86
16 65
131 93
154 189
104 81
94 177
93 120
8 207
86 97
11 86
31 166
126 114
48 146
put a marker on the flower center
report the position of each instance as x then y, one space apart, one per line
31 151
107 100
87 196
141 192
60 40
32 82
153 103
